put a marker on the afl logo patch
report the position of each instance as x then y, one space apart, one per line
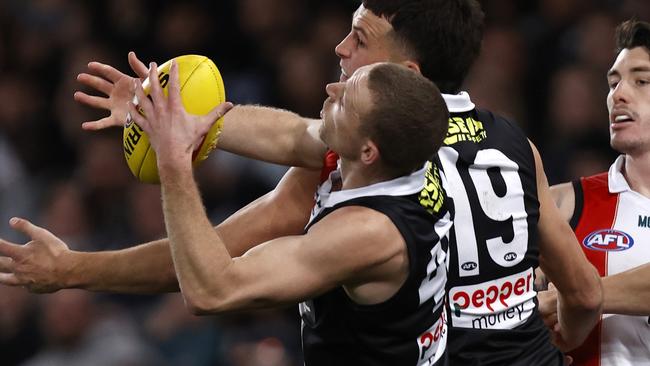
608 240
468 266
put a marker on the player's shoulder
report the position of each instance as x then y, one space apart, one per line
485 127
596 181
498 121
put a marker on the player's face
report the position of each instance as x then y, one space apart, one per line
628 101
368 42
346 102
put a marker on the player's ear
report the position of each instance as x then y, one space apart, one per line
369 152
411 65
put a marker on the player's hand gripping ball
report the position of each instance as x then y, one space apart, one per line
201 89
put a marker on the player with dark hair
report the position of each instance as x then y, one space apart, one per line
610 212
505 222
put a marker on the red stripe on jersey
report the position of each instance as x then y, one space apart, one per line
598 212
330 162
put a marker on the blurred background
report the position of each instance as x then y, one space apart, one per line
543 65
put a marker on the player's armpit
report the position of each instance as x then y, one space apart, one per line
352 245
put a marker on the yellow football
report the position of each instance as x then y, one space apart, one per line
201 90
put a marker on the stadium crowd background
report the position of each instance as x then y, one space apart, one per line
543 64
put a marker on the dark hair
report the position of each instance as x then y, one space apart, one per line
443 36
631 34
408 119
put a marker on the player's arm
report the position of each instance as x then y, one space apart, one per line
628 292
272 135
334 252
45 264
262 133
565 199
625 293
580 294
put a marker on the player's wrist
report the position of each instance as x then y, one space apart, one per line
71 274
174 163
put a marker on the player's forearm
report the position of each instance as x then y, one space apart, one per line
146 268
273 135
576 319
566 266
199 255
628 292
579 305
580 294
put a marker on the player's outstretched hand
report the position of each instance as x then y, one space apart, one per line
37 265
117 86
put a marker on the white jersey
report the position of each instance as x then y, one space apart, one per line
612 222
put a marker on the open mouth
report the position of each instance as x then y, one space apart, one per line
621 117
344 77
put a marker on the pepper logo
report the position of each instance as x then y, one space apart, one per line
608 240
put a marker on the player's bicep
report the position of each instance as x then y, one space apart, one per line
343 247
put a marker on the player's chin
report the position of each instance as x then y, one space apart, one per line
624 145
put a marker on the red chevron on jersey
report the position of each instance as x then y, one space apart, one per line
597 214
608 214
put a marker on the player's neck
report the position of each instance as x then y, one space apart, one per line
355 175
637 172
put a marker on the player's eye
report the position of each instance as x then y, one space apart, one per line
359 41
612 84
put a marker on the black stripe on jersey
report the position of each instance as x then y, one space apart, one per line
579 203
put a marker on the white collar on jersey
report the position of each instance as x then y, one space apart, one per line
458 103
402 186
616 181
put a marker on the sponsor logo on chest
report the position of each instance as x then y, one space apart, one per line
644 221
608 240
503 303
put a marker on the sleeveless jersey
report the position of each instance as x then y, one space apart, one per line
410 327
491 184
612 223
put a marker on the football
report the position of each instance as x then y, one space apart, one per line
201 89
